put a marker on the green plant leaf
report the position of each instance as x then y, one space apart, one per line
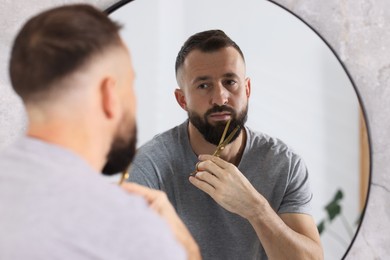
333 209
339 195
321 226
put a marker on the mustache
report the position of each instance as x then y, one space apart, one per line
218 109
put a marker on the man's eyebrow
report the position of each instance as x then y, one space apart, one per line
201 78
205 78
230 75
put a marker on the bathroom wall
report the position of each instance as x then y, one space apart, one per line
358 30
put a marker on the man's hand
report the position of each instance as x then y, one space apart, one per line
285 236
158 201
227 186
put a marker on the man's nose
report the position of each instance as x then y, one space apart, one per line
220 95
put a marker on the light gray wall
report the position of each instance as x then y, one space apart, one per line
13 14
358 30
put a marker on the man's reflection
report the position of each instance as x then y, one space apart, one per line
253 201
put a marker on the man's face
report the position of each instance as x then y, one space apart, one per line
213 90
124 142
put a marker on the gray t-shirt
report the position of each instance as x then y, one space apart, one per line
54 206
274 170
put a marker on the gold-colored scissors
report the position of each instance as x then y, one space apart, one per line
124 175
222 143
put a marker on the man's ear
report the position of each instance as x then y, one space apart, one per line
180 98
109 97
248 87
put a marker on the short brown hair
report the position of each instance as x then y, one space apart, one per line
56 43
206 41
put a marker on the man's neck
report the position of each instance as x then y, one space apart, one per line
231 153
72 139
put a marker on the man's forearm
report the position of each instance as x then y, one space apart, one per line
279 240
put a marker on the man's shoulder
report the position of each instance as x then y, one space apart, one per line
167 141
87 209
98 218
269 145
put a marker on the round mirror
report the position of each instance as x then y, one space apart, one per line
301 94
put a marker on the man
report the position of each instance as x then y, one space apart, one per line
75 77
251 202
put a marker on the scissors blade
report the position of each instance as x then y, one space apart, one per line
224 132
222 145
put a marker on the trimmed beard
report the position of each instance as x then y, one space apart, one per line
213 133
121 154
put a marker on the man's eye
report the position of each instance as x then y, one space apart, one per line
230 82
203 86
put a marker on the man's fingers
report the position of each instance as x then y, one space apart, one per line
134 187
212 168
208 177
202 185
218 161
143 191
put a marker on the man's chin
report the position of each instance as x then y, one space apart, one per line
113 167
120 156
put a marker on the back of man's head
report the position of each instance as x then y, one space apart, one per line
56 43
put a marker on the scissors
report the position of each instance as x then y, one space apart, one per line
124 176
222 143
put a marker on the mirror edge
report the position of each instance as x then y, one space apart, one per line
363 112
116 6
121 3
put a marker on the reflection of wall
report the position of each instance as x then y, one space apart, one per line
359 31
155 82
13 15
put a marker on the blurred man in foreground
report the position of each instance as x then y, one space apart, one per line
75 77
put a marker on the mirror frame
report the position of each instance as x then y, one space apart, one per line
121 3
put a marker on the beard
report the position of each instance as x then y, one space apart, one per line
121 153
213 133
